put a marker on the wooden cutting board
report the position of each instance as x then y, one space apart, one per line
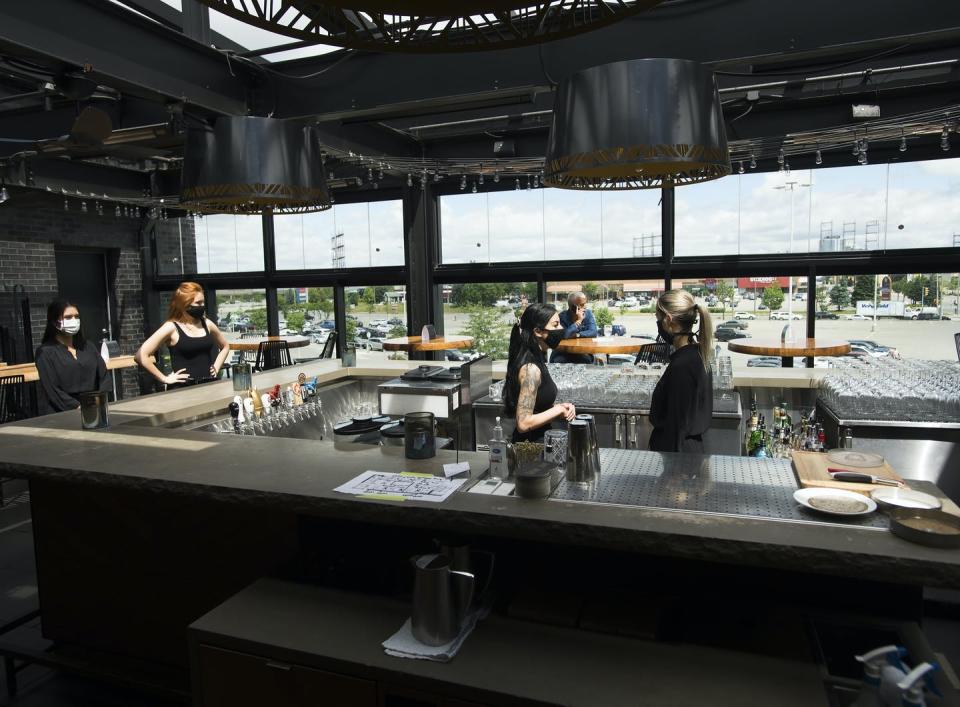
811 470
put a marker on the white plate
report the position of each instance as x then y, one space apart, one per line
814 497
904 498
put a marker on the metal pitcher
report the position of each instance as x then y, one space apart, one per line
93 410
441 599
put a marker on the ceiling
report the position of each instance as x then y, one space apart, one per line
96 101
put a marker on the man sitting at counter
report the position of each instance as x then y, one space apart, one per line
577 322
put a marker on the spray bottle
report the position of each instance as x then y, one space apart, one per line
911 686
873 665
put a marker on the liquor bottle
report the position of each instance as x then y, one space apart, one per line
756 436
762 452
821 439
748 436
499 468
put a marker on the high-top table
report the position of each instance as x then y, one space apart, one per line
438 343
789 348
293 342
602 345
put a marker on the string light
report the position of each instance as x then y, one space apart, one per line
856 148
83 206
753 162
370 174
496 177
819 157
116 212
474 189
786 167
780 157
66 204
945 138
740 169
903 143
409 180
436 177
516 183
463 182
480 179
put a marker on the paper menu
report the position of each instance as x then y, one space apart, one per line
405 486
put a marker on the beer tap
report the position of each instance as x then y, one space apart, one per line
235 414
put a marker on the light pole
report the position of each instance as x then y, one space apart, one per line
791 187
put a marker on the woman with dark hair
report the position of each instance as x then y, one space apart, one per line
191 338
66 364
529 392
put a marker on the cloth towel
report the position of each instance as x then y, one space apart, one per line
402 644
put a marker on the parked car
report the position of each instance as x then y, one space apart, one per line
618 330
460 355
826 315
856 317
744 315
288 332
726 334
327 324
931 315
395 321
321 335
375 323
889 350
784 316
732 324
868 351
375 343
765 362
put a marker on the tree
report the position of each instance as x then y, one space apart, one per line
491 335
258 319
325 307
397 331
725 293
772 296
839 296
369 298
591 290
604 318
296 320
864 288
823 296
316 295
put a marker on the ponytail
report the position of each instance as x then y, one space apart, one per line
705 335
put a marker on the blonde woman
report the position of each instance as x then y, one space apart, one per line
682 404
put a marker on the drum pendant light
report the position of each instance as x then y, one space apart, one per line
245 164
637 124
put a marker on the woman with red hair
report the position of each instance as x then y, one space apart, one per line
190 337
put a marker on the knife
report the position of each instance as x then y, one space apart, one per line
860 478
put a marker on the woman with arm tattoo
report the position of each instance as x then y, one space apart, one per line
529 392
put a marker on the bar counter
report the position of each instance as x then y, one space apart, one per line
142 528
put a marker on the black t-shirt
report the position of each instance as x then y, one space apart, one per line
682 406
63 377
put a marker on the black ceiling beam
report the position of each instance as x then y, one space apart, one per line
57 174
117 47
733 33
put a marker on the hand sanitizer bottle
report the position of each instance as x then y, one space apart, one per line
498 453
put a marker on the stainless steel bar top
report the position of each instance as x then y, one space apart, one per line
722 485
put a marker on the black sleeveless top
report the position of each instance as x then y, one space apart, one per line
195 353
546 397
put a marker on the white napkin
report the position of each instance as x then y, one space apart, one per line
402 644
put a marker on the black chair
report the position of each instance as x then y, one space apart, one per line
653 353
272 354
329 345
13 399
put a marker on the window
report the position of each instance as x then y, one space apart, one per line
306 311
549 224
176 246
862 207
375 313
485 311
910 316
228 243
240 313
622 308
366 234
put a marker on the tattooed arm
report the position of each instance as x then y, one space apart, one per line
529 385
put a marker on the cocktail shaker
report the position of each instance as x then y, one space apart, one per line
93 410
594 442
579 452
418 435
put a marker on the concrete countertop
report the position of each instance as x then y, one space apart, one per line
298 476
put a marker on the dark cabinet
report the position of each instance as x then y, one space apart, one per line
231 679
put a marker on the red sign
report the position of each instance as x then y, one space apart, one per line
758 283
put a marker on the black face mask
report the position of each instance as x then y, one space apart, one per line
554 337
196 310
663 333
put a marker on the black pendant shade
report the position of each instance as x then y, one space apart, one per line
245 164
637 124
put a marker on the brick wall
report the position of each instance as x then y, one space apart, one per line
32 225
